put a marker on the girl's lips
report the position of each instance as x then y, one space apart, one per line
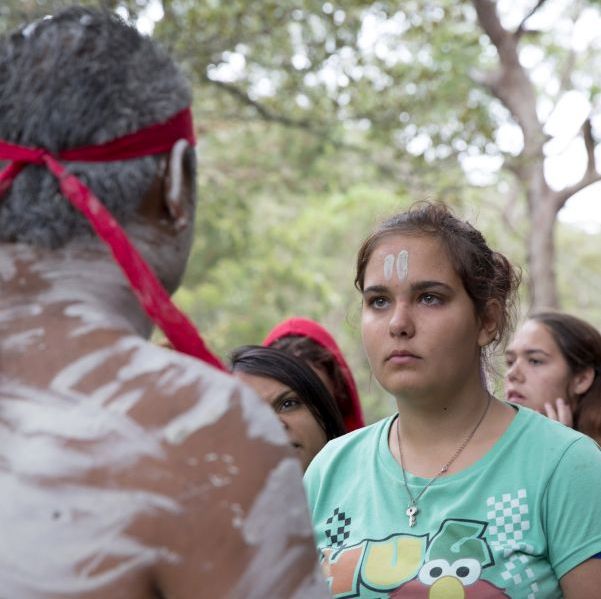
401 357
515 397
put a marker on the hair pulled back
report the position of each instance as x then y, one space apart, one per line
486 275
297 375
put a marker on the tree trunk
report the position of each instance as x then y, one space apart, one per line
511 84
541 252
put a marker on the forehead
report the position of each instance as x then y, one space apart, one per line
425 257
266 387
533 335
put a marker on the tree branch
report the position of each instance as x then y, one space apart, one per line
589 144
522 26
510 82
561 197
262 111
591 174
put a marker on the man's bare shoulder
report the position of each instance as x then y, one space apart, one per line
137 467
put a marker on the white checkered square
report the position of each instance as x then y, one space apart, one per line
508 519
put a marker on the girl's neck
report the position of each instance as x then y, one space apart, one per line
432 435
445 417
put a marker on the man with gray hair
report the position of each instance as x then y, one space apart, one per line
127 470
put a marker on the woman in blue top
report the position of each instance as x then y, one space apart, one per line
458 494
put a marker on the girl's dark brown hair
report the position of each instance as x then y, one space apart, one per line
580 345
319 357
293 372
486 275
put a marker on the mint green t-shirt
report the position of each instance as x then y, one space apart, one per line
510 525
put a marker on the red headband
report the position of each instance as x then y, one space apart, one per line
156 139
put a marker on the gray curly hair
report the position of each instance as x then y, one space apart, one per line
78 78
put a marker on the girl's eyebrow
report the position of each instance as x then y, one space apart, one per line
528 352
375 289
423 285
418 286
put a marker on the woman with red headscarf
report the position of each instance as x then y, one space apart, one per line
310 341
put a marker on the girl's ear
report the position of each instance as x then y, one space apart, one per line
177 190
489 324
581 382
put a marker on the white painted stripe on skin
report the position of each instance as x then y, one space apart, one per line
56 536
24 340
73 373
277 517
215 402
17 312
402 265
262 423
7 267
47 422
31 563
388 266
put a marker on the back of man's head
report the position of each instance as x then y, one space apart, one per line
82 77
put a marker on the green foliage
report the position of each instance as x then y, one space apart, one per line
315 119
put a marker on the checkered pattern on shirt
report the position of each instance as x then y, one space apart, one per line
338 531
508 522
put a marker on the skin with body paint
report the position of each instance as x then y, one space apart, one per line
124 463
129 471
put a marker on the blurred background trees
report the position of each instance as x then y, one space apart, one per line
317 118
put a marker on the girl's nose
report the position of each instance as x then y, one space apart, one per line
514 372
401 322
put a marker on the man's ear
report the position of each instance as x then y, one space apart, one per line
489 325
178 192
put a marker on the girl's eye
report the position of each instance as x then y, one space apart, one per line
377 302
288 404
534 362
430 299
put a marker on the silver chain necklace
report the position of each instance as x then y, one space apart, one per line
412 509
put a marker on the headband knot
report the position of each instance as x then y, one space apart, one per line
156 139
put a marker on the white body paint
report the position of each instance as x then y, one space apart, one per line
102 433
402 265
388 266
290 521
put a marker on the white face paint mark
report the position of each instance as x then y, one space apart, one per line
388 266
402 265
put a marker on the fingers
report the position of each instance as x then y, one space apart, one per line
560 411
564 412
550 411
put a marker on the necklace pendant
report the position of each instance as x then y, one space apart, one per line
411 512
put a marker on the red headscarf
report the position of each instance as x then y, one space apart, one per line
155 139
303 327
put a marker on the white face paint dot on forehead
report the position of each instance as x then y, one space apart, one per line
402 265
388 266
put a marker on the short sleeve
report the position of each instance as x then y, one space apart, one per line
572 504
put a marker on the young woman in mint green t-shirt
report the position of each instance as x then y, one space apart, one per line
457 494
